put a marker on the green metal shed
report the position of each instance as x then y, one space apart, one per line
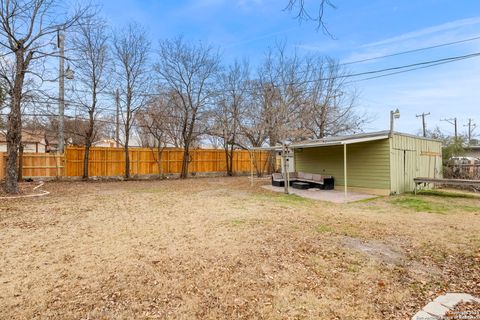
381 162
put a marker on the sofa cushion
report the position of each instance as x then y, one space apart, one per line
307 176
317 177
277 176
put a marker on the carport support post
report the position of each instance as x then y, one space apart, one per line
251 167
345 169
286 176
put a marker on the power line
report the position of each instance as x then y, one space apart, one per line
96 120
402 71
410 67
410 51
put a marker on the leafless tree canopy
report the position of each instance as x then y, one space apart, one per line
28 28
90 44
182 97
131 50
188 71
302 12
230 103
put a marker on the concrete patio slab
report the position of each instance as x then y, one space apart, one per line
335 196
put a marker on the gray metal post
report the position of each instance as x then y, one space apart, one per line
61 93
285 169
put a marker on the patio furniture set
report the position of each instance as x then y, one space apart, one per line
304 180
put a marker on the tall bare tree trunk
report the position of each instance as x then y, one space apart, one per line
14 126
159 160
86 157
127 157
20 162
185 161
229 159
88 144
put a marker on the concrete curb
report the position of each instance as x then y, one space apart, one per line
438 308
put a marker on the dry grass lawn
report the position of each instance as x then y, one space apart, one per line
216 248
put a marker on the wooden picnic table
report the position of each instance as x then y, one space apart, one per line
452 182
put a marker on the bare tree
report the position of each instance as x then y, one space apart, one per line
91 52
2 104
131 50
188 71
229 107
28 27
302 13
153 123
329 103
282 80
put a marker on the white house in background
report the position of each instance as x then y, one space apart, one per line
33 142
108 143
473 151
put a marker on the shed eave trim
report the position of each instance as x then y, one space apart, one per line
337 143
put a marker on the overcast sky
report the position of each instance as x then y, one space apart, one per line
362 29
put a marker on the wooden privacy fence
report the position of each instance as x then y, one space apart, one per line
37 165
108 162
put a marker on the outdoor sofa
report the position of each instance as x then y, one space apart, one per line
313 179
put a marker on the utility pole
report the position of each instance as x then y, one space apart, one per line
471 126
61 92
424 125
454 122
117 119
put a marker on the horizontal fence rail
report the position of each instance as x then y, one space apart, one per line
110 162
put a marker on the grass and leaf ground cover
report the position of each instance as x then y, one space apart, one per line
218 248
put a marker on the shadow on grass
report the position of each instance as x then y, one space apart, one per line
285 199
446 194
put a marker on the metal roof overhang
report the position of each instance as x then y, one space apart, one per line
274 148
336 143
317 144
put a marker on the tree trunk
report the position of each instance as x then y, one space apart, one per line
86 158
20 162
88 144
229 158
159 161
272 155
127 159
185 161
14 126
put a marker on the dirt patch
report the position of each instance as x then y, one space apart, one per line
376 250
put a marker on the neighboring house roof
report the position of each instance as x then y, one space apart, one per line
27 136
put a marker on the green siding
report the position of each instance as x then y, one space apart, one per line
413 157
368 163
